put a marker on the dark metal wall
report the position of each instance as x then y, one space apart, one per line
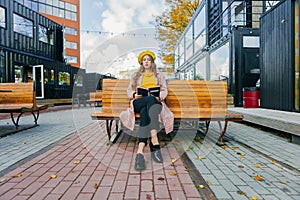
277 57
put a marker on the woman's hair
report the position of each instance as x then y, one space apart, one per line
138 74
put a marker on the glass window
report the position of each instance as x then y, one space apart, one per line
49 2
2 17
55 12
49 10
42 8
55 3
199 23
34 6
79 80
49 76
23 26
71 45
18 73
68 14
64 78
43 34
201 72
71 31
188 37
71 59
73 16
61 13
219 63
61 4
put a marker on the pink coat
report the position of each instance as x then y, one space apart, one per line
166 116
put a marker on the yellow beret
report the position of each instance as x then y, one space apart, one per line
142 54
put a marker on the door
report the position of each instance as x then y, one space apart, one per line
38 78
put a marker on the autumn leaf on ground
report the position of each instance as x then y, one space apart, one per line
234 147
256 166
197 139
83 147
254 198
201 186
161 178
241 192
53 176
16 175
189 148
173 173
243 154
241 166
96 186
242 158
2 180
76 162
199 158
173 160
280 166
223 146
273 162
208 182
283 182
258 178
24 143
15 148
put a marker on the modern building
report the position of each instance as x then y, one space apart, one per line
241 42
31 49
67 14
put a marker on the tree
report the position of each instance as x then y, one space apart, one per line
171 24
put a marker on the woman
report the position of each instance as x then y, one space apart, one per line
152 109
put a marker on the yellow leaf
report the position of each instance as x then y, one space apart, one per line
273 162
243 154
262 168
201 186
282 182
258 178
83 147
199 158
280 166
96 186
197 139
242 158
208 182
256 166
173 173
254 198
234 147
16 175
53 176
24 143
223 146
173 160
76 162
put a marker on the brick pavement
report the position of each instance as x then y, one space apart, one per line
85 167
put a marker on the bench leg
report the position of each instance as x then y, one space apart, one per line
222 131
108 127
16 122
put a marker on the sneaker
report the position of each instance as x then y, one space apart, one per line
140 162
156 153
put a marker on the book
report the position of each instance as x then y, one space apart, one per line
155 91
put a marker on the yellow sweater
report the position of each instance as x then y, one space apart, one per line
148 80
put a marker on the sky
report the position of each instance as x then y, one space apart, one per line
113 32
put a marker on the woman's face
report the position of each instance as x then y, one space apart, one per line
147 61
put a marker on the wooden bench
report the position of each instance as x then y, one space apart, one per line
189 100
19 98
96 97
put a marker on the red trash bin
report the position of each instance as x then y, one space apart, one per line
251 97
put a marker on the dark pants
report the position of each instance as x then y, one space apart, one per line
149 109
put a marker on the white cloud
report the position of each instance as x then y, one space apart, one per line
127 16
